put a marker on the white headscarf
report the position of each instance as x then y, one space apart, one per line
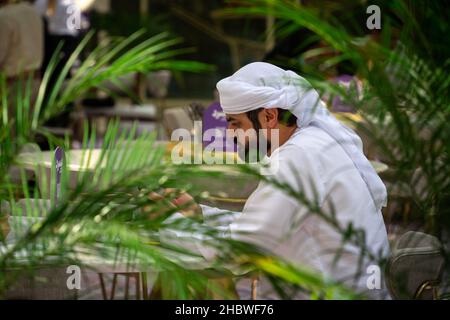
263 85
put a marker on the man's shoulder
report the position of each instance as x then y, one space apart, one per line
294 164
309 153
310 142
299 155
310 137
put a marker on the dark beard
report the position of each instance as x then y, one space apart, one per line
254 155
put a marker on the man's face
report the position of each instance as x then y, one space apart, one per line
246 135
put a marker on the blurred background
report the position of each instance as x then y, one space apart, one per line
90 74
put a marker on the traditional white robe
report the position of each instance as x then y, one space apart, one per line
316 165
325 162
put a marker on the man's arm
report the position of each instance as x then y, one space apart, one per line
270 214
215 220
218 217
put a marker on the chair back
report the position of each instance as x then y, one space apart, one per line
415 267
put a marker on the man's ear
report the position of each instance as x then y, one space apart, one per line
271 117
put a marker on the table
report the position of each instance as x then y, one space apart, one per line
231 191
132 112
148 117
232 184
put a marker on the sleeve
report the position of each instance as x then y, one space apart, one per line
271 213
218 217
215 219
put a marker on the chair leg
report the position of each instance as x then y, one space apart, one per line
102 285
113 289
138 286
136 277
127 284
144 285
254 287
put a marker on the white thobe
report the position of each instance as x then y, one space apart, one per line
314 164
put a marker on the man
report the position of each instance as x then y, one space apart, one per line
64 24
316 156
21 50
21 39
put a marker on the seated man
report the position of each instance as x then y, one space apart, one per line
320 158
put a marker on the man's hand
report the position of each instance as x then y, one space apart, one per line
184 202
156 197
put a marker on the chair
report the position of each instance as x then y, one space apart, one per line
137 276
254 287
414 269
16 219
14 171
175 118
41 282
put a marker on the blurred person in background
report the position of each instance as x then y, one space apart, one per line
21 45
65 24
